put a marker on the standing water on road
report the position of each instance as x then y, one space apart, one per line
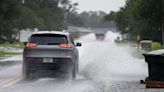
104 62
104 67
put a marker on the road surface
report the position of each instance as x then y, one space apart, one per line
104 67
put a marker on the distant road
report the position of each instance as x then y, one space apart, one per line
74 29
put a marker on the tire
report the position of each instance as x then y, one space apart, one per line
26 74
71 75
74 74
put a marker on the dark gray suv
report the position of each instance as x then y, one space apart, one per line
50 53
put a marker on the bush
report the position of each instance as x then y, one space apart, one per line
157 45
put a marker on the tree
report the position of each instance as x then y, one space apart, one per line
42 14
48 11
8 12
141 17
94 19
28 19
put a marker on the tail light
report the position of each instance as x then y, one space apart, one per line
29 59
65 46
31 45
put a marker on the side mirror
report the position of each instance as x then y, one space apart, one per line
78 44
25 43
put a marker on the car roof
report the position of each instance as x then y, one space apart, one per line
51 32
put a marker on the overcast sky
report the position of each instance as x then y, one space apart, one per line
96 5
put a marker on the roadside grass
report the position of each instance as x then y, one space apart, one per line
157 46
154 46
3 54
8 45
139 53
15 45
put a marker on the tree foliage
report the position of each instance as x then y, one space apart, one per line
42 14
8 12
94 19
141 17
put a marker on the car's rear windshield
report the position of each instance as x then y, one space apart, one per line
48 39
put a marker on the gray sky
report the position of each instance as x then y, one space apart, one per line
96 5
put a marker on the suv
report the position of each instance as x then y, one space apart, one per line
49 53
100 36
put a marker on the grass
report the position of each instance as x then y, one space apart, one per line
8 45
154 45
157 46
15 45
2 54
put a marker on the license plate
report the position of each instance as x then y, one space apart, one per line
47 60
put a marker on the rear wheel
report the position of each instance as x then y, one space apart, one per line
26 74
73 74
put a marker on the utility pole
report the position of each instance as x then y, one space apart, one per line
161 21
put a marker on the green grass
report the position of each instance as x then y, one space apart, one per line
2 54
157 46
15 45
8 45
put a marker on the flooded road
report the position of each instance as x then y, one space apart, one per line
104 67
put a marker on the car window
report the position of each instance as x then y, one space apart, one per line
48 39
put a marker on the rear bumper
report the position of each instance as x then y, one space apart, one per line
58 64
